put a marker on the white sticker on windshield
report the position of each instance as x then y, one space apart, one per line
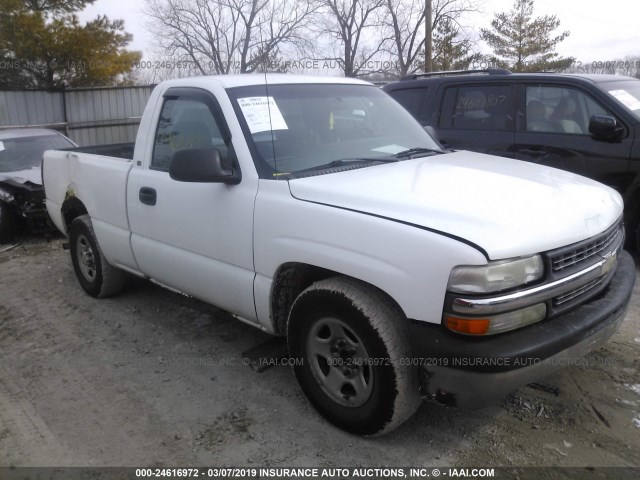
1 147
627 99
392 149
256 111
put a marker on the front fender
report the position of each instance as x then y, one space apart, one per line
410 264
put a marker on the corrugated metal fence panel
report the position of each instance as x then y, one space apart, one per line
106 104
104 135
93 116
31 108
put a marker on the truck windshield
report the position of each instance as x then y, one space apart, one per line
24 153
304 127
627 93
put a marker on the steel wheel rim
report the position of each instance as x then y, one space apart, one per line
340 362
86 258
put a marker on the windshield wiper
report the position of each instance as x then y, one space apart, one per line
346 161
416 152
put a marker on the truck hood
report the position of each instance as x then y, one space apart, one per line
32 175
506 207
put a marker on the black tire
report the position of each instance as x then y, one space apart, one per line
10 224
350 347
97 277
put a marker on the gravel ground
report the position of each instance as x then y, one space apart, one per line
152 378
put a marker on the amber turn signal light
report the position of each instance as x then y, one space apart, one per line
475 326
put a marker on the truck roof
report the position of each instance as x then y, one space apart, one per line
249 79
500 74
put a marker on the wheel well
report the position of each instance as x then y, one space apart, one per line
72 208
290 280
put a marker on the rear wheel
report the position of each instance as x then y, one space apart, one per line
350 345
95 274
10 224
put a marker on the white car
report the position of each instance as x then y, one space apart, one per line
320 210
21 195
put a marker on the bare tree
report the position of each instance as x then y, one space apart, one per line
352 23
405 21
452 10
228 36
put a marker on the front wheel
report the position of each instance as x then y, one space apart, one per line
350 347
97 277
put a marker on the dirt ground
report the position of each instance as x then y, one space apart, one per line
152 378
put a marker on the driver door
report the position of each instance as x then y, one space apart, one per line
194 237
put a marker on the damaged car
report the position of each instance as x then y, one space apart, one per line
21 193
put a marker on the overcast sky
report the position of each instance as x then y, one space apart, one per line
600 31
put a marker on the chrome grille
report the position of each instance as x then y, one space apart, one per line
585 250
559 300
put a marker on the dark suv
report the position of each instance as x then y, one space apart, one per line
587 124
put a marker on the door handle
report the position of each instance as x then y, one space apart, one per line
148 196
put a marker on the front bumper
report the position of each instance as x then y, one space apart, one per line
473 372
27 201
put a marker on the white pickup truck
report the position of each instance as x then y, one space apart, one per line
318 209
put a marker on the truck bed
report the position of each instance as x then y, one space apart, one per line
99 180
117 150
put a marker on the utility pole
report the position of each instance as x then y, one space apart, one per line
428 37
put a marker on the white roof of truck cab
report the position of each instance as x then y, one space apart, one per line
250 79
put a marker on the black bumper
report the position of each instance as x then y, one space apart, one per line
471 371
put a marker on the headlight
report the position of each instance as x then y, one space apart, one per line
496 276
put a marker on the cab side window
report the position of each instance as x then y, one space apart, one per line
481 107
185 123
559 110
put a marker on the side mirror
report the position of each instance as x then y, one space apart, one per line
201 166
605 128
